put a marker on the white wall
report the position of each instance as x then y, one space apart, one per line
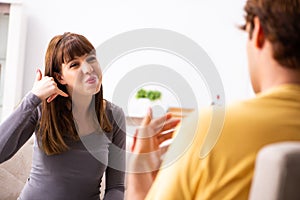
210 23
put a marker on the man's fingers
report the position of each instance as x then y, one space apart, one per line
164 137
134 140
166 125
164 149
170 124
38 75
159 122
147 118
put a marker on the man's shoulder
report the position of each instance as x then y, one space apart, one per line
237 112
244 106
238 107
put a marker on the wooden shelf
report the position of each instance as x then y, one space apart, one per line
180 112
133 121
176 112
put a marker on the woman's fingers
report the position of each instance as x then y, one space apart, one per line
53 96
38 75
45 87
61 93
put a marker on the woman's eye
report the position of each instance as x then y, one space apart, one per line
91 59
73 64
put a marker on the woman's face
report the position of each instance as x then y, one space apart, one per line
82 75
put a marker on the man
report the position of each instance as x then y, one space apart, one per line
273 49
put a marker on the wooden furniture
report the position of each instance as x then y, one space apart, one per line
180 112
177 112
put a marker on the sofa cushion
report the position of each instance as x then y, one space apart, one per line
15 171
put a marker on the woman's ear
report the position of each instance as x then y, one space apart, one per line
59 78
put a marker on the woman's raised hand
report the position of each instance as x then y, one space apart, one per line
46 88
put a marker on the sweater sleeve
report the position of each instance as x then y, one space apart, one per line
18 127
115 171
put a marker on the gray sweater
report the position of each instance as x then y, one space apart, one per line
75 174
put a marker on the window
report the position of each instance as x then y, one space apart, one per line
12 40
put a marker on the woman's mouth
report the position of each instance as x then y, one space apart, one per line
91 80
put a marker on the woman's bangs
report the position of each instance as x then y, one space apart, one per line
75 48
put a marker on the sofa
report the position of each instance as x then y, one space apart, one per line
277 172
15 171
276 175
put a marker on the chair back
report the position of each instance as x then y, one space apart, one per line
277 172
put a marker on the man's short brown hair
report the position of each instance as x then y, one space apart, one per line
280 21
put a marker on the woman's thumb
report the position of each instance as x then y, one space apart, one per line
38 75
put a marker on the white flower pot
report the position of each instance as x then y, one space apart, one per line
139 107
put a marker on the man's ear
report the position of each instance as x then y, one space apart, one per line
258 33
59 78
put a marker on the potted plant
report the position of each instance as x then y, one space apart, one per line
152 95
145 98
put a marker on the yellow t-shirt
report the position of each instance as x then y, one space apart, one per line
226 172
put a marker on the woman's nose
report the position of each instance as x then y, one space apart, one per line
86 68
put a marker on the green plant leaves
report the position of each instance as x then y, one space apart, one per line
152 95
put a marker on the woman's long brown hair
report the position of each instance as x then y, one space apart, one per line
57 123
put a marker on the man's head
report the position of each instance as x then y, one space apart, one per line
276 22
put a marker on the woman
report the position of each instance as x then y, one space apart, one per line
75 128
